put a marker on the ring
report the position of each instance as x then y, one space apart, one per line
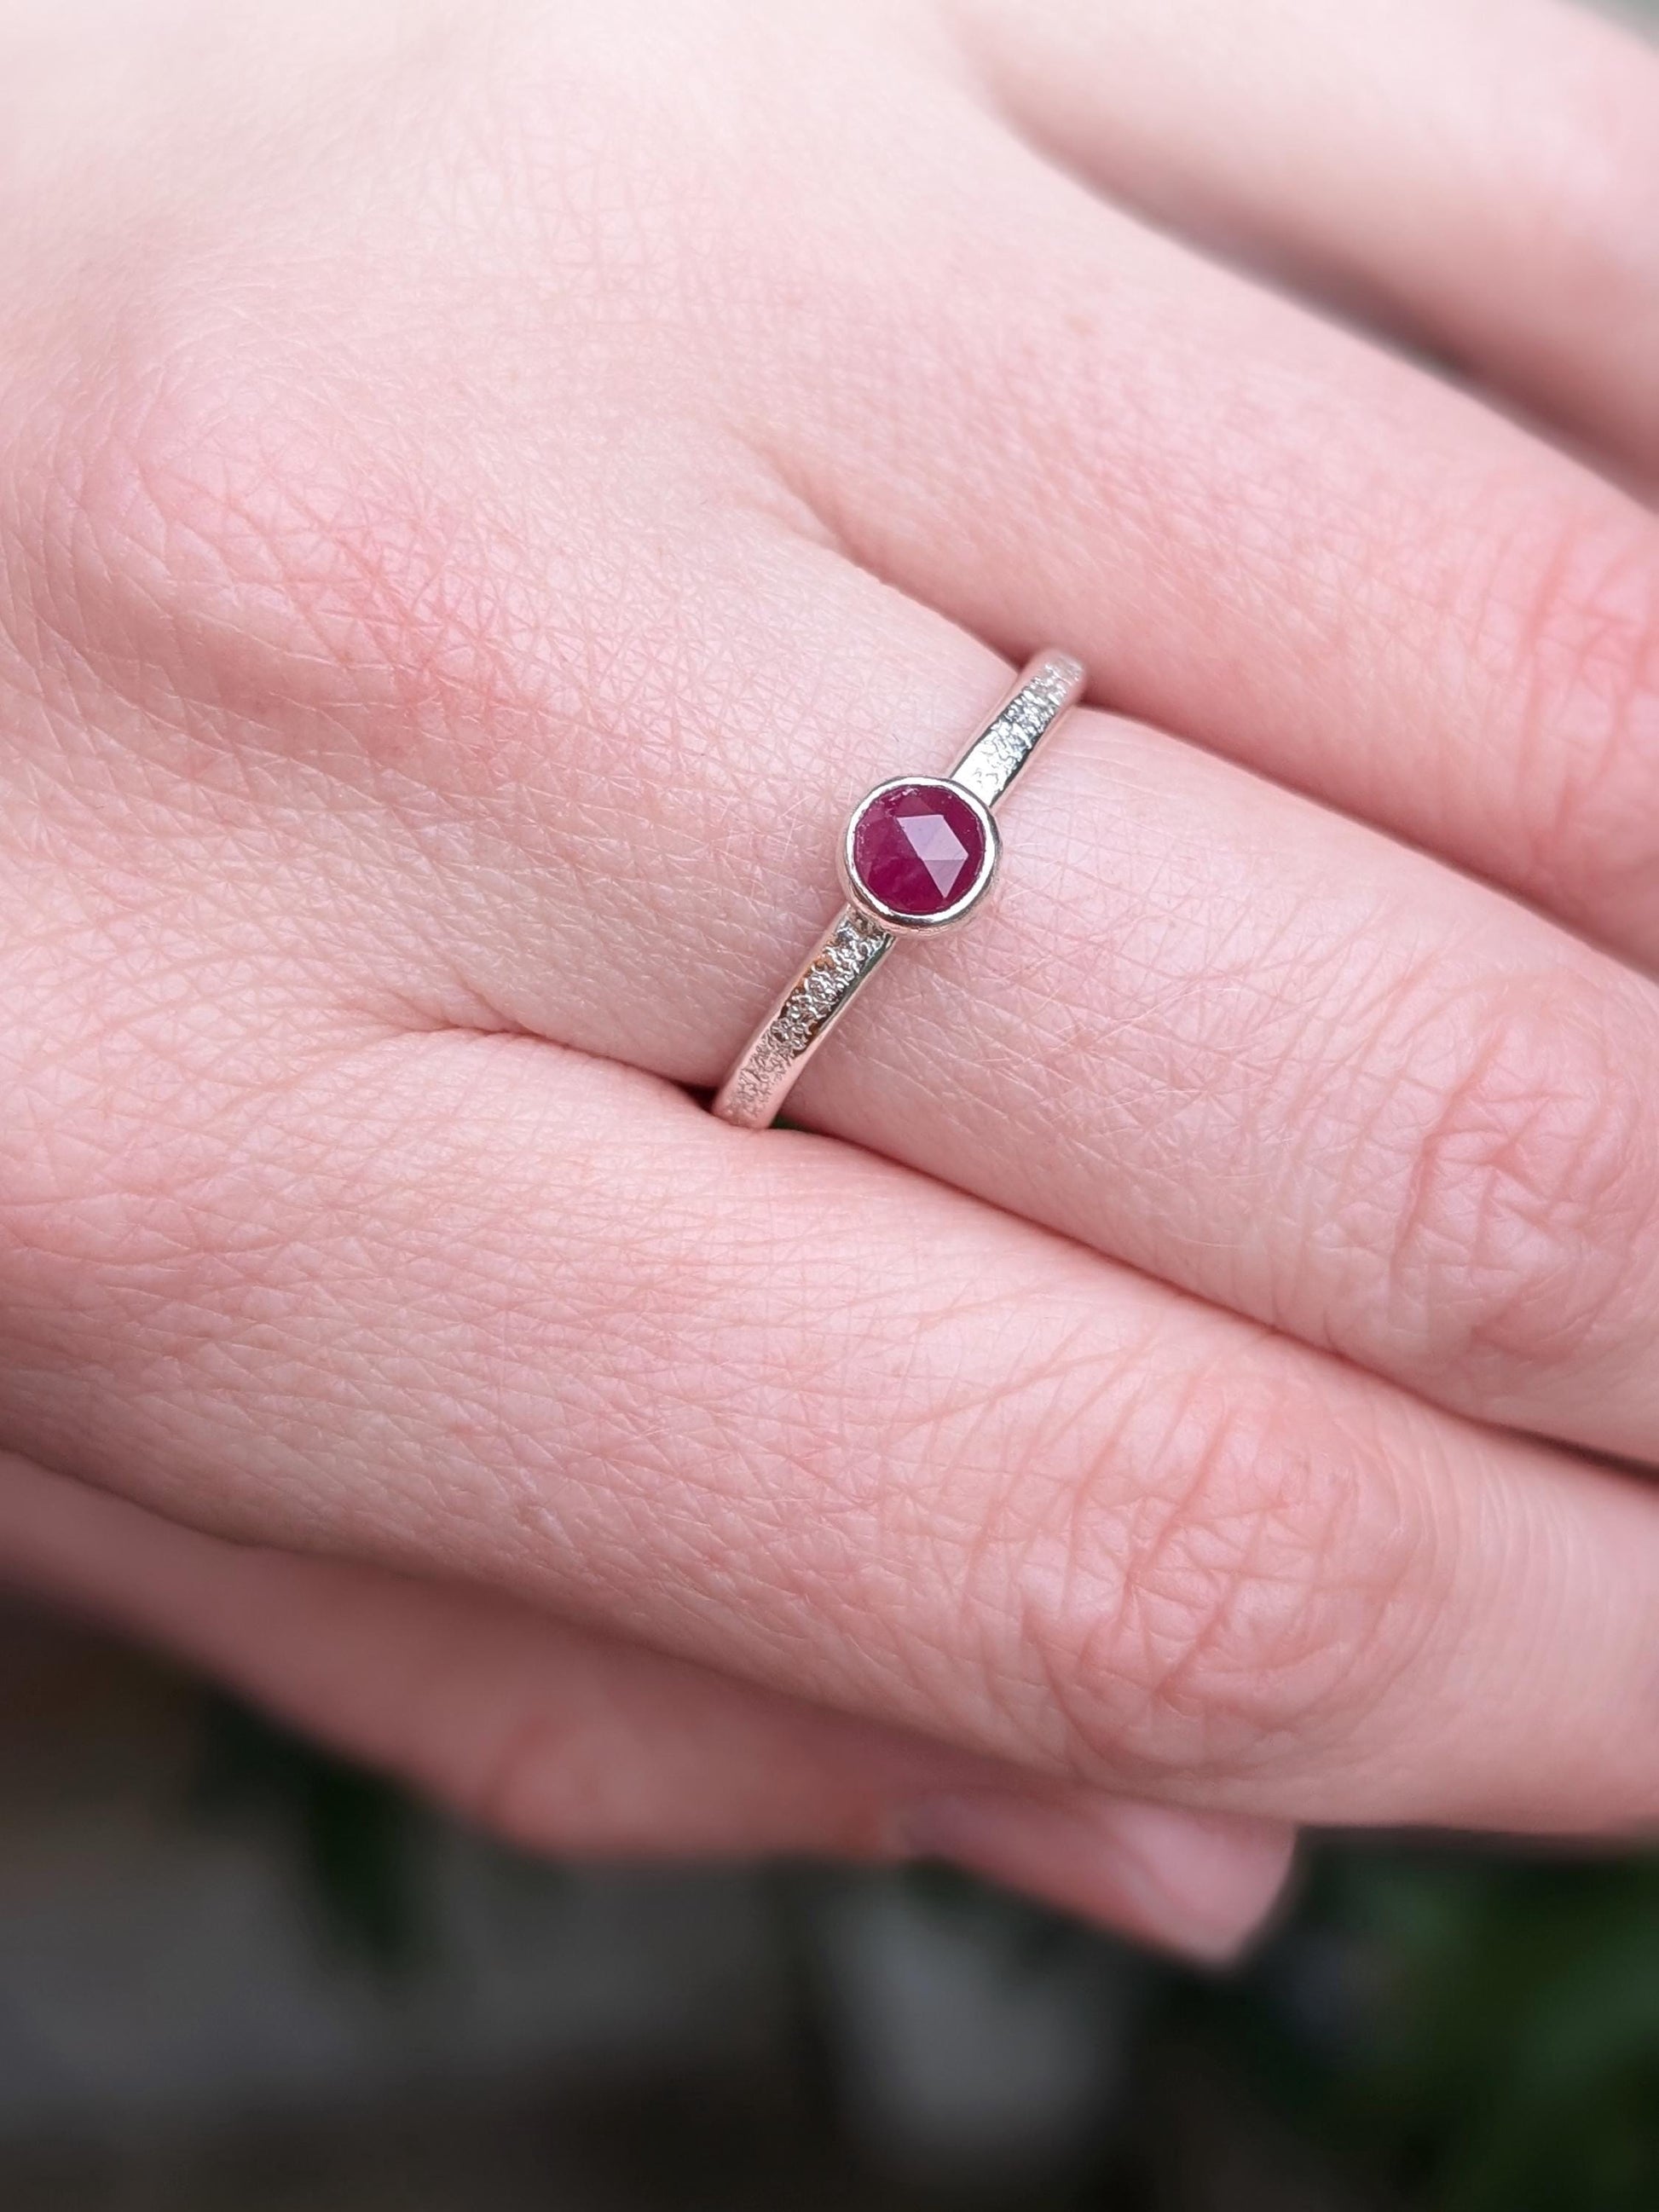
919 854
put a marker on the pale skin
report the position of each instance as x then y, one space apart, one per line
481 492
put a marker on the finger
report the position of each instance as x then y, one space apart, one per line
1297 1070
1209 1028
1257 530
474 1304
561 1741
1279 1061
1484 178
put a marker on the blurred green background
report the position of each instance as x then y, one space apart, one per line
236 1976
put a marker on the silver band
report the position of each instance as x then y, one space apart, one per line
856 941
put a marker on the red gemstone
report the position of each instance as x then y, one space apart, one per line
918 848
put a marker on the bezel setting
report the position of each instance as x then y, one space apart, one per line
859 938
894 918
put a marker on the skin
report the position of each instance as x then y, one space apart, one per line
481 492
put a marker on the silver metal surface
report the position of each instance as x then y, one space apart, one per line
857 940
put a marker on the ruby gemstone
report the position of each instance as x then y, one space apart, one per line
918 848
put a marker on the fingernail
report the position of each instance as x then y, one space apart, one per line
1198 1883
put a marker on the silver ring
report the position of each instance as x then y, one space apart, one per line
920 852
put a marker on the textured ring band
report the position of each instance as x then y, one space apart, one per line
919 854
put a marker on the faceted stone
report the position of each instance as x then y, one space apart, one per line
918 848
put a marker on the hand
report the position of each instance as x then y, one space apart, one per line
482 495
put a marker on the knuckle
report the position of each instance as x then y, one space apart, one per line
1258 1591
1582 610
1531 1180
208 531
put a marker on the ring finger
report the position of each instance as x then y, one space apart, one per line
1208 1026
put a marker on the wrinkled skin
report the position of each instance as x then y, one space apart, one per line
482 491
